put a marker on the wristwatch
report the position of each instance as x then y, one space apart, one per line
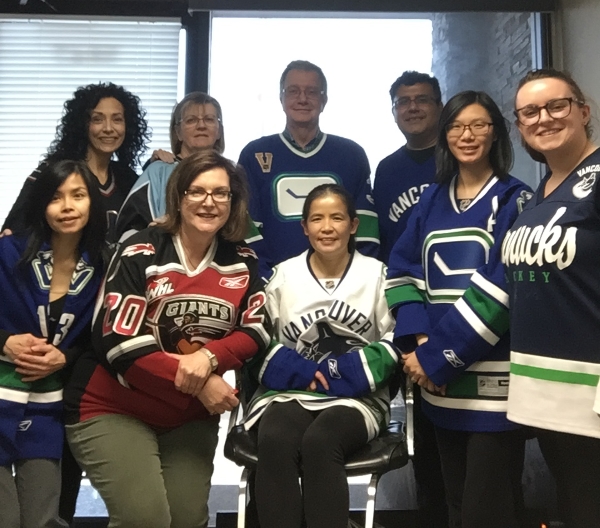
214 362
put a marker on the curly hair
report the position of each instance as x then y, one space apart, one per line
72 132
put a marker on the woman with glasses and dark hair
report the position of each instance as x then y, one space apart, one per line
552 261
448 293
196 125
324 381
49 278
182 303
105 126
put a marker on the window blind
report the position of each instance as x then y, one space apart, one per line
43 61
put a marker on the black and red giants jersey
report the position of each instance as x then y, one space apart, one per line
152 303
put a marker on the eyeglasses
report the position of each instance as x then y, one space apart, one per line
293 92
402 103
192 121
479 128
200 195
556 108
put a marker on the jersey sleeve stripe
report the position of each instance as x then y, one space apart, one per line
126 347
493 314
260 330
368 228
268 357
404 294
401 281
380 358
490 288
367 370
471 317
366 212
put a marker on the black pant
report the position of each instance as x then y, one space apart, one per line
482 475
574 462
294 442
70 473
431 498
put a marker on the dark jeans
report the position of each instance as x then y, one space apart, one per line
482 475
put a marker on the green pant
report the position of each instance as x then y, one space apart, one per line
30 498
148 479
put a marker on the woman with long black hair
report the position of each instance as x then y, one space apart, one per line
449 292
49 279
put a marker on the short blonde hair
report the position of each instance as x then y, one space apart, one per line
200 98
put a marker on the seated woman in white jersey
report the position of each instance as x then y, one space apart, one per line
324 381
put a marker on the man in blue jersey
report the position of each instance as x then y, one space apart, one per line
402 176
399 181
283 168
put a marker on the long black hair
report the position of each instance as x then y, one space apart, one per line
501 153
43 189
72 132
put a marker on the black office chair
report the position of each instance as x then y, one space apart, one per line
392 449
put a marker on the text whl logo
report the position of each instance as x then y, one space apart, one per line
235 283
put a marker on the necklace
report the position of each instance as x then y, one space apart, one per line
190 262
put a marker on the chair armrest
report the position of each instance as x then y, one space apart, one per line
237 413
410 423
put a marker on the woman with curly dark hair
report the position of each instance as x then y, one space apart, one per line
105 126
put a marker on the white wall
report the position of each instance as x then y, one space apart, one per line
579 38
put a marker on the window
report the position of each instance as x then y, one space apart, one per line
43 61
360 58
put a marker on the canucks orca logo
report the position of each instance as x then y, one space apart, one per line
327 343
42 267
584 187
523 198
451 257
291 189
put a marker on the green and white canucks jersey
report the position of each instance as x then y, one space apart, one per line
339 327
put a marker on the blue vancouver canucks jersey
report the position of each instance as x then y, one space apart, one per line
31 412
280 178
400 179
447 281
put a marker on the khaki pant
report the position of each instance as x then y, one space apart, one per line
30 498
148 479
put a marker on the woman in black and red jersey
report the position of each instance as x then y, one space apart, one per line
181 304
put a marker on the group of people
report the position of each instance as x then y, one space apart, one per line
126 299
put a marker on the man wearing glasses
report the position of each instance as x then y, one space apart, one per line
399 182
283 168
404 175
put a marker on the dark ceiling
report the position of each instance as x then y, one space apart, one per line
169 8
